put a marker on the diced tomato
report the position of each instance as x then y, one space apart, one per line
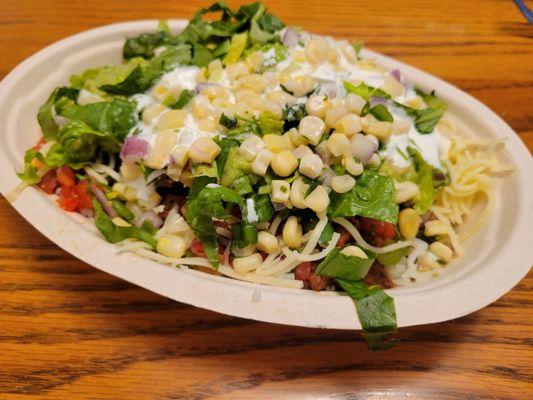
381 229
344 238
68 203
48 183
65 176
75 198
84 199
197 248
39 144
303 271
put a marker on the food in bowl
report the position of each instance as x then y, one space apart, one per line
267 154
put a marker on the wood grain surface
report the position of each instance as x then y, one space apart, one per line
69 331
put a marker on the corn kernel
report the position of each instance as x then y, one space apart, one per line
237 70
405 191
129 171
247 264
442 251
354 103
342 183
302 151
300 85
284 163
180 155
275 143
172 119
160 152
317 106
298 191
334 114
317 51
318 199
311 165
267 242
353 167
296 138
311 128
250 147
338 144
261 162
171 246
408 223
201 107
204 149
150 113
392 86
292 233
349 125
435 228
280 191
253 82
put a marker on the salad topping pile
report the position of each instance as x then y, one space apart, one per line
260 152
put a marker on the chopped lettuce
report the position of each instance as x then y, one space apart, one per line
257 208
339 265
371 197
269 124
375 308
61 98
392 257
365 91
424 180
236 48
114 233
209 203
234 168
29 175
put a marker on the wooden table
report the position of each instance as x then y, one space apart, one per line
69 331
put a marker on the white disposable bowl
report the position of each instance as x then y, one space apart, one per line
495 260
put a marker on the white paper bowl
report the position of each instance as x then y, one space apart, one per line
495 260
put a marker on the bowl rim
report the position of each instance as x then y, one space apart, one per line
272 304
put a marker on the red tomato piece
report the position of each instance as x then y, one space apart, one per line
68 203
48 183
381 229
303 271
344 238
84 199
197 248
65 176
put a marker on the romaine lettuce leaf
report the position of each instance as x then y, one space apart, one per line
371 197
61 99
424 180
209 203
338 265
29 175
115 118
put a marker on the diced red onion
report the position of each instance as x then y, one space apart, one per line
396 74
375 100
106 205
278 206
151 216
134 148
326 176
362 147
290 38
